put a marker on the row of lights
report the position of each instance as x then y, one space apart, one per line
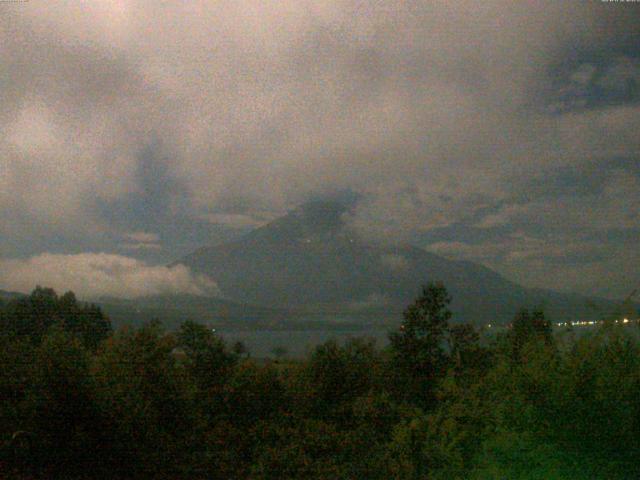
592 322
583 323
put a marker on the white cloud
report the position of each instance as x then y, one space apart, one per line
518 248
235 220
397 211
583 75
483 253
620 74
394 262
141 246
143 237
616 206
375 300
92 275
557 262
141 241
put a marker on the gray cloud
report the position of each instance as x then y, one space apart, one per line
127 115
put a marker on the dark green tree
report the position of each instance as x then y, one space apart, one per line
279 352
529 326
32 316
335 376
418 348
240 349
146 400
208 360
57 432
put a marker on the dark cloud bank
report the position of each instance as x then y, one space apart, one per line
506 133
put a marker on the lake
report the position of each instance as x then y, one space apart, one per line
298 343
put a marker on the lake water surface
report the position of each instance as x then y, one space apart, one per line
298 343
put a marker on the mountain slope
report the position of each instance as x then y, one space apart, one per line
309 261
6 296
172 310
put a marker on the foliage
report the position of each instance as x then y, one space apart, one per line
528 326
441 402
31 317
418 348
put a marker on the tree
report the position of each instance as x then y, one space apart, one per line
335 376
467 355
418 346
279 352
146 402
65 422
208 360
33 316
529 326
240 349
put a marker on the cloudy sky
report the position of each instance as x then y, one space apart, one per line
134 131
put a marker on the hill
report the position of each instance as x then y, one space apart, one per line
172 310
6 296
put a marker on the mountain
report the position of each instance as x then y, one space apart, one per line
6 296
172 310
310 261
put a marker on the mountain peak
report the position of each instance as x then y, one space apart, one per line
307 259
322 212
313 219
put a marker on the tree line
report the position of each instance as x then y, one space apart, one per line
441 401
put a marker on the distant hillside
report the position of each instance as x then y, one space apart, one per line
4 295
172 310
308 261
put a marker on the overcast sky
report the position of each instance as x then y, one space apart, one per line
132 132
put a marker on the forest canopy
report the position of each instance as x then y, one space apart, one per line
442 400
